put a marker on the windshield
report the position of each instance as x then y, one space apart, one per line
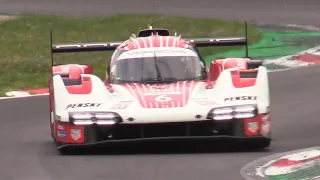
157 69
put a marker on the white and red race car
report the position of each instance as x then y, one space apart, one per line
157 88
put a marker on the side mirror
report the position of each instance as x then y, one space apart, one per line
62 74
253 64
106 79
214 71
107 84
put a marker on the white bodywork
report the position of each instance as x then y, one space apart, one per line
223 88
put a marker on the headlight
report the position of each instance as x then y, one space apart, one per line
88 118
226 113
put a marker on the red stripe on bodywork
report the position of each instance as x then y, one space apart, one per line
155 41
84 88
162 96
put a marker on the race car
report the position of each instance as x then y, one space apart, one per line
157 88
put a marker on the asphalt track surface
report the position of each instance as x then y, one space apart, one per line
26 150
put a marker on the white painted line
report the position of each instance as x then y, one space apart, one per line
2 98
17 94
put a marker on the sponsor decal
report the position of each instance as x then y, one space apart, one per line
65 69
266 124
87 45
241 98
79 105
60 127
62 134
161 90
213 40
153 51
75 134
253 127
121 105
265 129
204 101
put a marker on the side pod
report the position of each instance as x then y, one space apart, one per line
225 88
98 94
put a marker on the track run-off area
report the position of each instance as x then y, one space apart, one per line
27 151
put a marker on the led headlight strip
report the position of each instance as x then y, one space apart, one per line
231 112
88 118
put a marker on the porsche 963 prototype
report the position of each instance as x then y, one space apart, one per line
157 87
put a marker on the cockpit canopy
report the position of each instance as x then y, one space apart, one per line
157 65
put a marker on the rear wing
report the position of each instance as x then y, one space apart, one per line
84 47
81 47
111 46
223 41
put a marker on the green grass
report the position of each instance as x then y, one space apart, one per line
25 50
